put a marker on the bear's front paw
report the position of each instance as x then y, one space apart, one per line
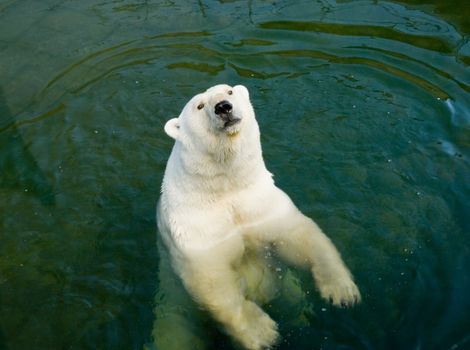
259 331
341 292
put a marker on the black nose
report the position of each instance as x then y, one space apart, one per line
223 107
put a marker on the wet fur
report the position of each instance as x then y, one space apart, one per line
219 206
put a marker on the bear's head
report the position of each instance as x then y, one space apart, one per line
220 111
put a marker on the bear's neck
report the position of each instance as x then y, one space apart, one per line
234 162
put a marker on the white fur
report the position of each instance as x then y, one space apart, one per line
219 202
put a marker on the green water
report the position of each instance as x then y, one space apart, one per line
364 109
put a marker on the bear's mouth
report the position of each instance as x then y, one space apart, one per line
228 119
231 121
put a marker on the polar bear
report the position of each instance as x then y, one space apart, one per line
219 205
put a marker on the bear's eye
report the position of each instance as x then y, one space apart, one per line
200 106
230 92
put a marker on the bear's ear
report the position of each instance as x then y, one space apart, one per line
243 90
172 128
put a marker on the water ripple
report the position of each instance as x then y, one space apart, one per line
364 111
426 42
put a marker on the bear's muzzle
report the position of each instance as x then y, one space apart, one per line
223 110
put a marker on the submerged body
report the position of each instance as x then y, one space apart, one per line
219 202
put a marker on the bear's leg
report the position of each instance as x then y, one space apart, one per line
260 280
178 322
302 242
217 287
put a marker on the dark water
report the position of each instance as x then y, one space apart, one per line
364 108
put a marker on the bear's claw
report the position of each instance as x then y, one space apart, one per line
341 293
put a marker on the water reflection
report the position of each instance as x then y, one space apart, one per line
450 9
18 168
3 339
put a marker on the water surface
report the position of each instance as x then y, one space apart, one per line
364 109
